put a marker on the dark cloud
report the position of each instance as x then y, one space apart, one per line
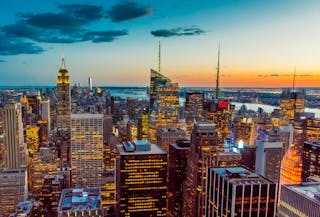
128 11
177 32
85 12
2 61
104 36
10 46
269 75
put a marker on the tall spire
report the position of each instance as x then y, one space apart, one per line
63 65
159 57
218 75
294 79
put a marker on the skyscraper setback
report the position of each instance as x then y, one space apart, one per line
63 113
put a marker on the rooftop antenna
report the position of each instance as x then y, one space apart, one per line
294 79
218 74
159 57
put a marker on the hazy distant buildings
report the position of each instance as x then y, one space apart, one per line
90 84
237 191
87 148
141 179
63 113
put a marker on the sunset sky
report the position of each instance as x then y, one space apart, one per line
116 42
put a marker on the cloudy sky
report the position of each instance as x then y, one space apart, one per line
116 42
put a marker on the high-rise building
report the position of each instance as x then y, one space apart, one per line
42 163
87 148
202 154
292 102
177 173
291 167
90 84
141 179
193 109
167 136
237 191
143 125
50 193
80 202
16 151
268 159
13 189
311 159
244 130
63 113
156 80
45 112
302 200
166 106
32 139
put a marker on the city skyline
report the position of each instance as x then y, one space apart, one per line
263 41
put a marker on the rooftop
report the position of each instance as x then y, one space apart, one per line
309 190
240 175
80 199
128 148
86 116
204 126
314 143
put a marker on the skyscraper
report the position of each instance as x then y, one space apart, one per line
193 109
268 160
87 148
202 154
311 159
90 84
143 125
167 136
45 112
13 189
16 152
63 113
237 191
177 173
291 102
141 180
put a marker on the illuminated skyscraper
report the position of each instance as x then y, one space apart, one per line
87 148
311 159
244 130
291 167
32 139
13 189
202 154
141 180
193 109
63 113
237 191
16 151
143 125
166 105
292 102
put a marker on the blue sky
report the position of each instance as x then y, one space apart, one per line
115 42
